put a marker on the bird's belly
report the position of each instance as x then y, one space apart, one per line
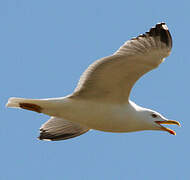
105 122
107 125
103 117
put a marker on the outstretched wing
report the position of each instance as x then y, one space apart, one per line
111 79
56 129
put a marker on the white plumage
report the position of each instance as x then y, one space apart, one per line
101 99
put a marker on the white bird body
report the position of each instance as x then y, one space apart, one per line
101 99
106 117
99 116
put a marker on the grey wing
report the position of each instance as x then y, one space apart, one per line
56 129
111 79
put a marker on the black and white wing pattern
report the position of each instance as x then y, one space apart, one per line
56 129
111 79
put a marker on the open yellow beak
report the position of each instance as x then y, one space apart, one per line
168 122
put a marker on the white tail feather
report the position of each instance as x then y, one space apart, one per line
47 106
15 102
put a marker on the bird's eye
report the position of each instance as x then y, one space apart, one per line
154 115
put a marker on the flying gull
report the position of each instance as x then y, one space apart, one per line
101 98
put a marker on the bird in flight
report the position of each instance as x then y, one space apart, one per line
101 98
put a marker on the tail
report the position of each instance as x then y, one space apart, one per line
37 105
54 129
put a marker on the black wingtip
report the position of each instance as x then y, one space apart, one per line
161 30
44 135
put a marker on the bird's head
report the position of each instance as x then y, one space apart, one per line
157 121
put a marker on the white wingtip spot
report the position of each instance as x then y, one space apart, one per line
165 27
44 139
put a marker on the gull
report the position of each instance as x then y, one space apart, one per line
101 98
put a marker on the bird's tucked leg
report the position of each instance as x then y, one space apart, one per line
31 107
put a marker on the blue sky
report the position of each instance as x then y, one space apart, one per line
46 45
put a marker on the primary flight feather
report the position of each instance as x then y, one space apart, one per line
101 98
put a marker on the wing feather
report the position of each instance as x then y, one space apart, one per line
56 129
111 79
